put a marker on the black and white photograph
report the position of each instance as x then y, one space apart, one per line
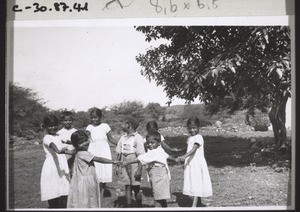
195 114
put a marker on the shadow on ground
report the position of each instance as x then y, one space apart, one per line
120 202
235 151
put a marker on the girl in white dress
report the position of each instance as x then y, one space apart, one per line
197 181
100 134
55 171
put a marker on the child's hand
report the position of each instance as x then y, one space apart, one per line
180 159
124 164
138 175
63 150
118 163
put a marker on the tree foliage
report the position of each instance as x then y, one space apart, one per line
26 110
240 67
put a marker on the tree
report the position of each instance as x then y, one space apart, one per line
26 110
242 67
154 110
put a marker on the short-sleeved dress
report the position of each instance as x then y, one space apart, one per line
65 135
99 147
84 190
158 171
196 176
130 146
55 172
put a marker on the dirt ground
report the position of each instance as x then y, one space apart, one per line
239 177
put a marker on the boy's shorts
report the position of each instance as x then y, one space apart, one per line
160 182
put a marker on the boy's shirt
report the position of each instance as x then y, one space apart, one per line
155 157
131 144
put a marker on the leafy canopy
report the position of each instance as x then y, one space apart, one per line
237 66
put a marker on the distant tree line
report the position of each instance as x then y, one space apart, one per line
26 112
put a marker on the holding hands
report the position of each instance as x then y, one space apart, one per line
117 163
62 151
180 159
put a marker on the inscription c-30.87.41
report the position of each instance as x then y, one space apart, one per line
56 7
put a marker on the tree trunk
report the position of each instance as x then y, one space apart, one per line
277 117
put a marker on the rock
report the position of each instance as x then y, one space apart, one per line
257 158
218 124
267 153
279 169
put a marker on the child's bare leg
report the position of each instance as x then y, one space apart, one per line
195 201
161 203
157 204
101 193
128 196
63 201
138 195
102 187
54 203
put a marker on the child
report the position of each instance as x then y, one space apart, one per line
55 171
84 190
158 170
152 126
100 134
129 147
65 134
197 181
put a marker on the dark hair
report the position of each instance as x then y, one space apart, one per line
78 137
66 113
152 126
155 135
134 122
193 121
50 120
96 111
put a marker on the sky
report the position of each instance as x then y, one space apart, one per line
79 64
81 67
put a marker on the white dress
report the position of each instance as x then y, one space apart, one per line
55 171
196 176
65 135
99 147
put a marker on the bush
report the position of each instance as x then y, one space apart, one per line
259 121
261 128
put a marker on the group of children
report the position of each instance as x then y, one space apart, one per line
78 163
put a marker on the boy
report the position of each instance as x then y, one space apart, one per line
158 170
129 147
65 134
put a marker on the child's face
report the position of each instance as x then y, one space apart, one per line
151 143
96 120
193 129
125 126
84 145
52 129
67 122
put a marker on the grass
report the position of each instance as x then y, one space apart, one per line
235 180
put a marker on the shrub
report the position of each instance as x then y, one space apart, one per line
259 121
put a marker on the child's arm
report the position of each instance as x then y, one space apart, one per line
193 150
170 150
68 142
130 162
105 160
111 139
69 152
58 151
171 158
88 133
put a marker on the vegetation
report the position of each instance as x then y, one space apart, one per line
26 112
239 67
